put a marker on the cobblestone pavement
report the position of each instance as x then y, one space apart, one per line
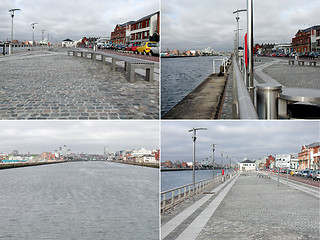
256 208
293 76
51 85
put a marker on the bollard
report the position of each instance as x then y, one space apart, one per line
267 100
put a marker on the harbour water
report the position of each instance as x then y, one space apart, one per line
174 179
179 76
80 200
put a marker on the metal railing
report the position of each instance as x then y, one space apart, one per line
175 196
242 102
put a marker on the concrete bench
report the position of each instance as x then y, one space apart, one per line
291 62
312 63
130 64
300 62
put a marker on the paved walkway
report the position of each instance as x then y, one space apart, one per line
250 207
52 85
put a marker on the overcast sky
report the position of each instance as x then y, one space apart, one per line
189 24
238 139
73 19
79 136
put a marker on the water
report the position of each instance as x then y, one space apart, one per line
179 76
174 179
83 200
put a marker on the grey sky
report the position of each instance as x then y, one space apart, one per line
73 19
238 139
79 136
188 24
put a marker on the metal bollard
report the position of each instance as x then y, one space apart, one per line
267 100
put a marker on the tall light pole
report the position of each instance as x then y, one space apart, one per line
237 38
250 47
194 138
12 10
32 24
213 149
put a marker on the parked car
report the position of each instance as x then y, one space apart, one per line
304 173
310 173
313 55
296 173
146 46
132 47
316 175
155 50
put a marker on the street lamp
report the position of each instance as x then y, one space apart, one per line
32 24
194 138
237 39
213 149
250 47
12 15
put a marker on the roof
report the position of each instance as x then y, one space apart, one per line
247 161
312 145
67 40
311 28
146 17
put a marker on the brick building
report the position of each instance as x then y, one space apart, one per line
142 30
307 40
309 157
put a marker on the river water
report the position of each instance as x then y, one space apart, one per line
179 76
81 200
174 179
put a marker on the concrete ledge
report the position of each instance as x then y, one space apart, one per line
204 102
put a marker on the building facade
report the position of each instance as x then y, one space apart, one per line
142 30
309 157
307 40
247 166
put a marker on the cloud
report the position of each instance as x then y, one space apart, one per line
79 136
190 24
70 19
238 139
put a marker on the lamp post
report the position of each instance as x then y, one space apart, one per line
194 138
12 16
237 38
32 24
250 47
213 149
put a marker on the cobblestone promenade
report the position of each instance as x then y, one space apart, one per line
255 208
51 85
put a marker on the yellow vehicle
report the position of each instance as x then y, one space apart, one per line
146 46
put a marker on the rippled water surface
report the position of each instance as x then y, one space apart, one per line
83 200
179 76
174 179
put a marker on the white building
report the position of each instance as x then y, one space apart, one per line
68 43
141 152
283 160
247 166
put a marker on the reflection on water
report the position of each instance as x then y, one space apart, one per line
179 76
84 200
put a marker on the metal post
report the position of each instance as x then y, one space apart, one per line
267 100
287 176
213 160
12 15
237 38
32 24
278 176
194 138
250 46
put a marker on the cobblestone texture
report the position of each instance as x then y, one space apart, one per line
47 85
256 208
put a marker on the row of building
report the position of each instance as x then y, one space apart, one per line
305 40
141 155
145 29
308 158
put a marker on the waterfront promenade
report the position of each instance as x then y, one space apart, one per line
249 206
52 85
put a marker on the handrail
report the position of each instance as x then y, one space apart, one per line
245 104
179 194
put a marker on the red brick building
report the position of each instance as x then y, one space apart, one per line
309 157
307 40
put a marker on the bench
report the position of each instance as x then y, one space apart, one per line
312 63
291 62
130 64
300 62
